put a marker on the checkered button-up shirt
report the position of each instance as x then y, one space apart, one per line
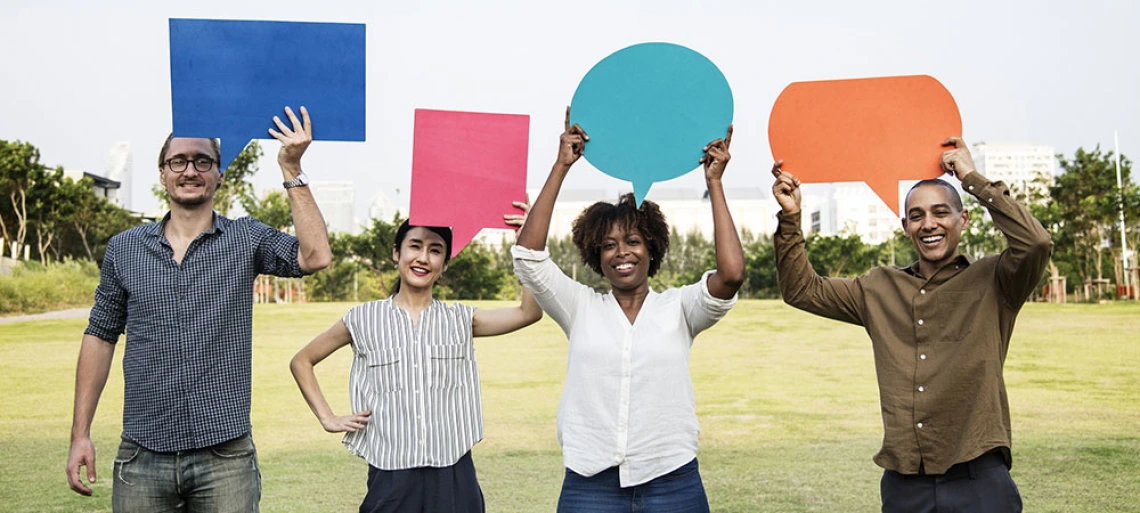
187 360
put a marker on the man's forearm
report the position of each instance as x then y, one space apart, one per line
95 356
314 253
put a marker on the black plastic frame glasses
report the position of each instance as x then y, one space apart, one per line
179 164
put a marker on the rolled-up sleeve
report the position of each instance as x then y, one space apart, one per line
108 316
702 309
275 251
557 294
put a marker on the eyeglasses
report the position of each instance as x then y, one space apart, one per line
179 164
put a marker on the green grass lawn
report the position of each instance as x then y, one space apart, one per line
787 402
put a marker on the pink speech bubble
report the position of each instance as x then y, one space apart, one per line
467 168
874 130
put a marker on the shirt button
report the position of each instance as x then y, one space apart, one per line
921 322
922 356
991 200
971 187
919 426
923 291
921 389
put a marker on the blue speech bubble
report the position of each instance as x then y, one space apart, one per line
649 110
228 78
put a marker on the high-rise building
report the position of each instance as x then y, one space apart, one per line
384 208
119 169
852 207
337 200
1022 167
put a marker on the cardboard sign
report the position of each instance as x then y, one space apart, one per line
228 78
873 130
649 110
467 169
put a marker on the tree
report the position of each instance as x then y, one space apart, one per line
981 237
1084 210
94 220
841 255
760 277
273 210
373 248
51 197
688 258
472 274
19 163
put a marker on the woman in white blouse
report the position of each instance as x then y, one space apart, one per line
414 383
627 420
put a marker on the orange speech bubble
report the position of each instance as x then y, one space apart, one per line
873 130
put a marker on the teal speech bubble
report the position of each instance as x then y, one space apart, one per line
649 110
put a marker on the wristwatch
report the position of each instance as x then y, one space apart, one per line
300 181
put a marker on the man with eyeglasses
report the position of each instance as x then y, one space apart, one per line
182 288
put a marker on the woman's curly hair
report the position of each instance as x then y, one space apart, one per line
595 222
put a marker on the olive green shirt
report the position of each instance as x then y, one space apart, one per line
940 342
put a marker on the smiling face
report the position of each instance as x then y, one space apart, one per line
421 259
625 259
934 224
191 187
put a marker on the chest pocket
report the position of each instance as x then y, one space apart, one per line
383 370
450 366
957 311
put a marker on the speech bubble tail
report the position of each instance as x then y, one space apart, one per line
460 237
887 190
640 190
231 148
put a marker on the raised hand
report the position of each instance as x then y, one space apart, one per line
346 423
572 142
786 190
957 161
716 156
294 140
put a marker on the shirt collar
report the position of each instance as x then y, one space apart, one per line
962 261
220 224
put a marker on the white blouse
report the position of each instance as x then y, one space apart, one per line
628 398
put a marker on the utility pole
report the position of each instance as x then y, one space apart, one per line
1123 238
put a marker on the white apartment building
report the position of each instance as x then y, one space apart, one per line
337 201
686 210
1019 165
852 207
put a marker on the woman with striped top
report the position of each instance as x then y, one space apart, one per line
627 421
414 383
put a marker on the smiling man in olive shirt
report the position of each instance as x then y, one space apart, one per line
940 331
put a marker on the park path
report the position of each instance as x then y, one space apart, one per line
58 314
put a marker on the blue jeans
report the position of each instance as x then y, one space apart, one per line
679 491
222 478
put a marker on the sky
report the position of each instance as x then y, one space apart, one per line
78 77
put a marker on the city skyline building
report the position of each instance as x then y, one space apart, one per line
337 201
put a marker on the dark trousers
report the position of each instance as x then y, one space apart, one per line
981 485
451 489
679 491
